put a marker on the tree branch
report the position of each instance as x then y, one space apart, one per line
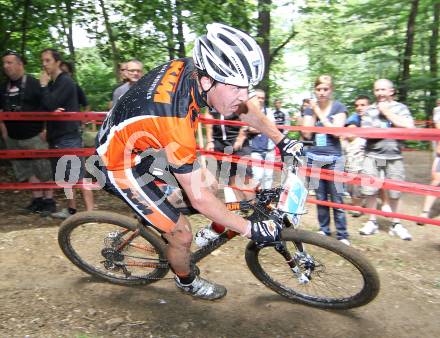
278 49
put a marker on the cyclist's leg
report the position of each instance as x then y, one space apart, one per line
150 203
178 250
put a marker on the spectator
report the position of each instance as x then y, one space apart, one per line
262 148
122 72
304 106
354 151
355 120
435 172
133 73
230 140
67 67
327 154
59 94
279 116
22 93
383 157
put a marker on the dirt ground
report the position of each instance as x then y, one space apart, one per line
44 295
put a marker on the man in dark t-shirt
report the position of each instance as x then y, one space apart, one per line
231 140
67 68
21 93
279 115
59 94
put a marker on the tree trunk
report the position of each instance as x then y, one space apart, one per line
264 37
433 61
26 5
69 14
168 11
180 37
410 32
111 39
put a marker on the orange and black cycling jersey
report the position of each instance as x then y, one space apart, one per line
159 112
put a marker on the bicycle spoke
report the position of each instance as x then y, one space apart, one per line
115 252
331 278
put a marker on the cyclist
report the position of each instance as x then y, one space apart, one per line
150 135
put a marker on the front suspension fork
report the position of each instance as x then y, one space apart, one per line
293 262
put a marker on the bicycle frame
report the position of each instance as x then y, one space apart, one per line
261 207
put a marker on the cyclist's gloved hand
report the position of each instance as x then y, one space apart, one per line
289 147
265 231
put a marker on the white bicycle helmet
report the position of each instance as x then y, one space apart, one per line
229 56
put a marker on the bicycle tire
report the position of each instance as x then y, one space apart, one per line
86 236
346 258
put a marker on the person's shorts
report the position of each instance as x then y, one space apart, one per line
228 169
436 164
140 188
25 168
73 169
379 168
353 189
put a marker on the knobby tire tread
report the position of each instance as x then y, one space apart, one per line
371 279
123 221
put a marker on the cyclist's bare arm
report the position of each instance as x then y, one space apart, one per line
203 199
252 115
209 131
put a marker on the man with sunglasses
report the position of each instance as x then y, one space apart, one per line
134 70
21 93
150 136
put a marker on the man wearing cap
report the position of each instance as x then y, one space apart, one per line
21 93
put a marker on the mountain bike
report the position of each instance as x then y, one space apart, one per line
304 266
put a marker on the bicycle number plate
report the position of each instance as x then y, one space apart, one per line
294 195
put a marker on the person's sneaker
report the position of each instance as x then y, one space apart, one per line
369 228
35 206
48 207
320 232
63 214
386 208
205 236
201 288
345 241
355 213
424 214
265 231
399 230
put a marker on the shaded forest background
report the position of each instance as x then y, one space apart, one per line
356 41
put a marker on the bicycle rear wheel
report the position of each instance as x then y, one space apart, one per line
330 274
112 247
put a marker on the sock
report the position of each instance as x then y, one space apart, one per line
188 279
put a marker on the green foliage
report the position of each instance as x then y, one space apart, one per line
355 41
359 41
95 77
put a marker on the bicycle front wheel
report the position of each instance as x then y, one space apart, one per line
112 247
328 274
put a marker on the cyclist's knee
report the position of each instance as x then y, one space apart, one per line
210 181
181 234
